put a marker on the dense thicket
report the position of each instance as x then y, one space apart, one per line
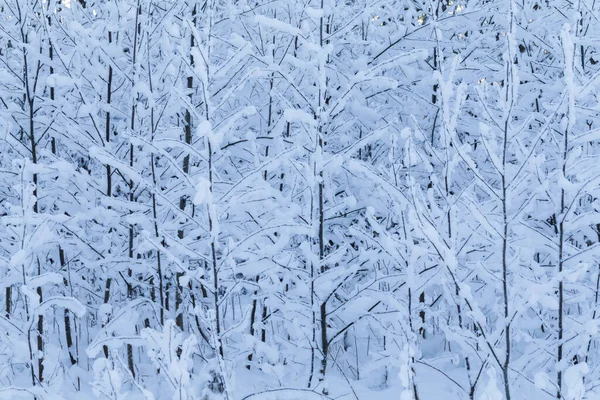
291 199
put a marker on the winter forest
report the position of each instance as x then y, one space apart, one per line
299 199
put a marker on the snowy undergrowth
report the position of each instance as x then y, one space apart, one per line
296 199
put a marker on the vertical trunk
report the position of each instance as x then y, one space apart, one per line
412 359
212 210
263 333
186 170
212 222
30 101
213 251
505 217
269 122
505 293
314 321
595 313
8 298
69 338
161 293
559 355
422 314
109 82
178 301
253 320
569 60
130 289
317 218
61 253
67 317
40 323
40 336
167 303
323 308
319 175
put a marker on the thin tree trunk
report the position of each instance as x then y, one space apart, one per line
569 60
321 216
161 293
213 251
269 123
130 289
61 253
186 170
505 293
109 83
30 99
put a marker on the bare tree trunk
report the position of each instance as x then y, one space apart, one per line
186 170
61 253
213 251
130 290
161 292
269 125
8 301
109 83
30 95
505 244
560 220
321 199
